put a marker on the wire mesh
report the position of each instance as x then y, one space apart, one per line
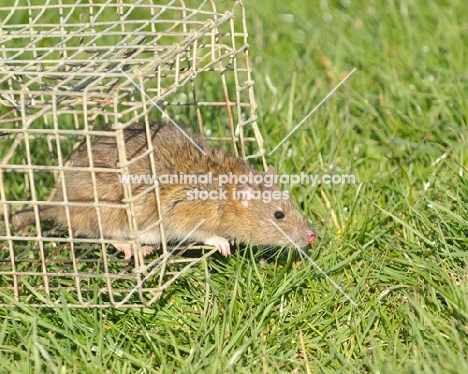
70 70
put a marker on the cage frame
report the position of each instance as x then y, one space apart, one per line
31 96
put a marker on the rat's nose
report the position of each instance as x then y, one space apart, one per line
312 237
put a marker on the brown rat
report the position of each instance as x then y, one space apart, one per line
237 215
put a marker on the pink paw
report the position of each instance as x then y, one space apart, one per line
128 250
147 250
221 244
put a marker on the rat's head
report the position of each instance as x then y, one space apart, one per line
265 215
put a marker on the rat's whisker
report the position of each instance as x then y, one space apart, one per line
267 248
232 196
315 265
274 254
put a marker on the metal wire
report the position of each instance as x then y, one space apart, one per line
61 84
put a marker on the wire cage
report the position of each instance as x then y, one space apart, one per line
68 71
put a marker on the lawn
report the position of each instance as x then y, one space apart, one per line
395 241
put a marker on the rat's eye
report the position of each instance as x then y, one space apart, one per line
279 215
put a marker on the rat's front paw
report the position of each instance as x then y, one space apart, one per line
221 244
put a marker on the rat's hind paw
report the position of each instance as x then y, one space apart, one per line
128 250
221 244
147 250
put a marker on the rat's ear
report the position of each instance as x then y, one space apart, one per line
244 193
271 170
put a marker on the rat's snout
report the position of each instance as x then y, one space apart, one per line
312 238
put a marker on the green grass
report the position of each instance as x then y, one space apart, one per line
396 241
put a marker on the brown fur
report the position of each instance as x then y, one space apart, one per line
173 154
